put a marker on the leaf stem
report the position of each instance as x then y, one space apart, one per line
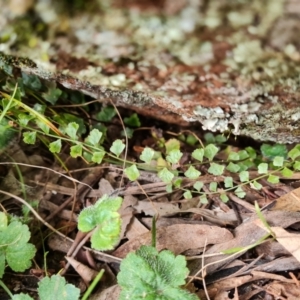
6 289
93 285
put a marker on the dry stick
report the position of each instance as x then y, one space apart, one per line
82 191
215 262
34 212
204 271
145 193
80 240
88 181
45 168
126 139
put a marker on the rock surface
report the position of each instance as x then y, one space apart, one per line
232 67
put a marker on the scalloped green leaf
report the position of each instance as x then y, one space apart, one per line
102 216
108 203
224 198
273 179
192 173
56 287
21 296
198 185
76 150
240 192
106 114
117 147
210 151
262 168
24 119
213 186
159 275
15 248
244 176
286 172
256 185
187 195
203 199
107 234
71 130
132 173
165 175
94 137
172 144
52 95
87 219
97 157
55 146
295 152
278 161
243 154
3 221
296 165
147 155
232 167
174 156
133 120
228 182
233 156
29 137
32 81
198 154
216 169
270 151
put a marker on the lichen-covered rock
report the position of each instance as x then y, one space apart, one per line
231 65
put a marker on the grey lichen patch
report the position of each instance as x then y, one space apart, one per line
276 125
213 119
209 113
217 62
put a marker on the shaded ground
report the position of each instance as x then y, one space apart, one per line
232 67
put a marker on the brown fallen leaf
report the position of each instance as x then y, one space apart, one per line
218 288
289 291
135 229
153 208
110 293
280 264
289 201
271 250
290 241
178 238
126 211
245 234
86 273
217 217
